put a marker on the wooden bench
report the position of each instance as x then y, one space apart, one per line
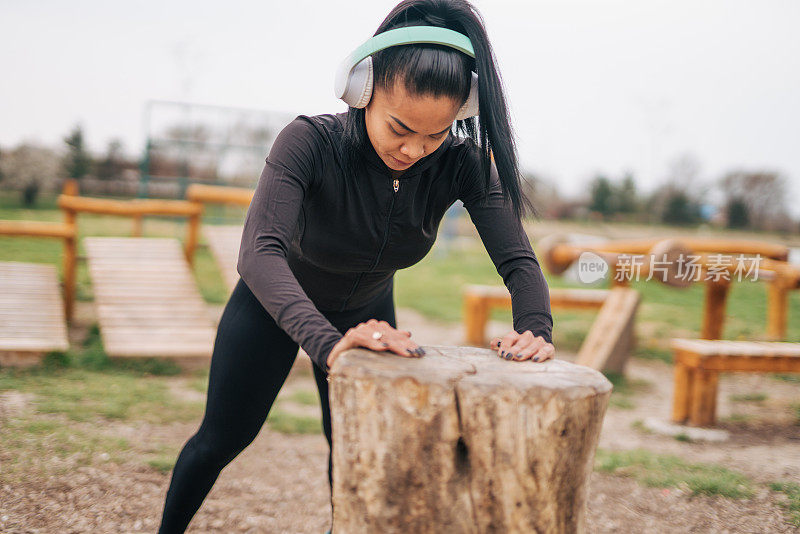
610 340
147 302
224 241
698 363
32 320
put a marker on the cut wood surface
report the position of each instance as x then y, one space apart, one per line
224 244
32 320
146 299
462 441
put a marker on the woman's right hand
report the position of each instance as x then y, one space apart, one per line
391 339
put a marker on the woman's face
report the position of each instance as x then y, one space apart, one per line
405 127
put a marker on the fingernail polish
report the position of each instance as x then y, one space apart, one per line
421 351
502 354
509 355
385 344
498 344
536 358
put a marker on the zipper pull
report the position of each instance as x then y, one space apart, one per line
396 185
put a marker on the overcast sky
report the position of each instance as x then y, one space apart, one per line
594 86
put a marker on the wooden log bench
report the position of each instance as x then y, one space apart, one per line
698 363
609 342
717 262
460 441
32 319
147 302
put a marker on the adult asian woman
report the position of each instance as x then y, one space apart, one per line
346 200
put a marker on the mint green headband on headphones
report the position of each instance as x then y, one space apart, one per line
354 79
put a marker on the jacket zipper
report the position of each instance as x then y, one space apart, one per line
396 187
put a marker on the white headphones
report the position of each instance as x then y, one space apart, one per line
354 76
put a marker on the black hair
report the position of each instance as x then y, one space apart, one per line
438 70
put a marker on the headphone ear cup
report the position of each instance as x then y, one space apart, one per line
470 107
357 88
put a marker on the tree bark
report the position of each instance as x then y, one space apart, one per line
461 441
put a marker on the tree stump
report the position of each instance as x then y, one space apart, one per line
461 441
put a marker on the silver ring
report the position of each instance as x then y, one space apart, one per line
377 335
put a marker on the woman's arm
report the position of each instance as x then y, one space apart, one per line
510 250
271 222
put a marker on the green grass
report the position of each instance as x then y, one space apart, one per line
624 389
85 385
638 424
792 379
288 423
738 418
665 471
305 397
749 397
161 458
792 492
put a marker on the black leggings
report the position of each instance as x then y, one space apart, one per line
251 360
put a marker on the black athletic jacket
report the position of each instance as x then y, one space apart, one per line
317 240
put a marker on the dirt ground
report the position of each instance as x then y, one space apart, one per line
279 484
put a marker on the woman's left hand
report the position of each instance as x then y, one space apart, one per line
524 346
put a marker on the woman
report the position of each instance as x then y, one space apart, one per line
343 202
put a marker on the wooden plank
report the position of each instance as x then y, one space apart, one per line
146 299
224 241
32 319
720 347
610 340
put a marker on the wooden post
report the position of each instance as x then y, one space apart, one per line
192 235
777 307
681 398
70 188
460 441
703 405
137 226
714 308
476 316
70 267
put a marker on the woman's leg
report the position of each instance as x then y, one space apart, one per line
251 360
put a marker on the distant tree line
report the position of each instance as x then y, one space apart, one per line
744 199
32 168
